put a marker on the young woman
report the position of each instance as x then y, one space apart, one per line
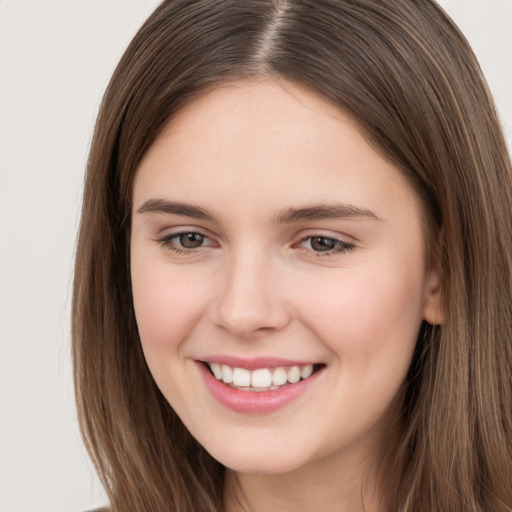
294 270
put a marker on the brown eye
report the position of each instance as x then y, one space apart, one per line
322 243
191 240
186 242
326 245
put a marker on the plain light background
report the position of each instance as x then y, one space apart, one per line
56 57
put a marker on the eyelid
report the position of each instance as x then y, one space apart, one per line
326 233
167 231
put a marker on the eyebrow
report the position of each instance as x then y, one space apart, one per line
286 216
176 208
324 212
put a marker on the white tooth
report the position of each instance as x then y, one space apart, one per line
241 377
217 370
227 374
306 371
261 378
279 377
294 375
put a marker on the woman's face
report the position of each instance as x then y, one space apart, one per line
269 240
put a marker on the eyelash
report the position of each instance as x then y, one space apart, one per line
167 242
340 246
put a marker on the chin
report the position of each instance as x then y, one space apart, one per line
255 460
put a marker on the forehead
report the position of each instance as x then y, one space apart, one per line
252 140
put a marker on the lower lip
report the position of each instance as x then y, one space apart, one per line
255 401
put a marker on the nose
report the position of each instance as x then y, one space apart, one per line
251 301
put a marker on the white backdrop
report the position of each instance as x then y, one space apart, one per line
56 57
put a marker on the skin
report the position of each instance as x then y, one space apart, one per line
254 287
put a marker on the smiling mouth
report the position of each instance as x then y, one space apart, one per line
261 379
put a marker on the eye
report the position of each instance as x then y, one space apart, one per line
325 245
186 241
190 240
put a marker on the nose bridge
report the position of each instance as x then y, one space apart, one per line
250 299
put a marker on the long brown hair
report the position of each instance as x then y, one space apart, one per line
404 71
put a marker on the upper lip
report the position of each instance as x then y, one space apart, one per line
255 362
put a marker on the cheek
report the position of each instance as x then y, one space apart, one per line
168 304
370 323
367 317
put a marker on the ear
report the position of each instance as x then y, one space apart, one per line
433 309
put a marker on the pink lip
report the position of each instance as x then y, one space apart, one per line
255 401
255 363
